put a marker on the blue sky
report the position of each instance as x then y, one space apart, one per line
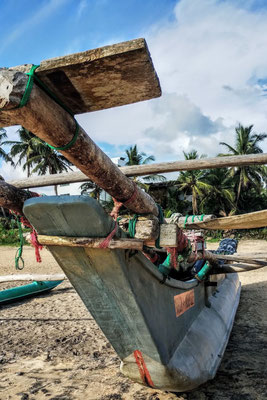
38 30
210 56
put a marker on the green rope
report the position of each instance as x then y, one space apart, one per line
131 227
71 143
200 218
185 221
26 96
18 256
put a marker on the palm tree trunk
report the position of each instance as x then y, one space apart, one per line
56 191
194 203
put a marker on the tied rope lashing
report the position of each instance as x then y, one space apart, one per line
200 218
197 239
175 255
26 96
114 214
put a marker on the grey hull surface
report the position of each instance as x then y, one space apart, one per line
122 289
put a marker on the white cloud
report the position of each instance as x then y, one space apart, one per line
209 61
212 63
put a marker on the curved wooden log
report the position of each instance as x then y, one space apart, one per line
13 198
51 123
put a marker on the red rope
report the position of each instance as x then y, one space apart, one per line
105 243
144 373
196 240
37 245
152 259
115 211
133 196
182 243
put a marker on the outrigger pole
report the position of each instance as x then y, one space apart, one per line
141 170
53 124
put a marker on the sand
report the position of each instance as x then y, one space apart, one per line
51 348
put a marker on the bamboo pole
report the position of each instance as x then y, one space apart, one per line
147 169
240 259
32 277
51 123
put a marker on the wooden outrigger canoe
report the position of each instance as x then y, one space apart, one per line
169 336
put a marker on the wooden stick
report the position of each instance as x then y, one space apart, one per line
32 277
147 169
94 243
226 269
239 258
51 123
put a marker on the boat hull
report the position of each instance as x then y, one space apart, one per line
169 336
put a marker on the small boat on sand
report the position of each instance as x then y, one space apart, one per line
21 292
169 335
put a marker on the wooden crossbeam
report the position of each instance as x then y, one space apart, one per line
147 169
97 79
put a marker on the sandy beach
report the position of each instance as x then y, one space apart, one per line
52 349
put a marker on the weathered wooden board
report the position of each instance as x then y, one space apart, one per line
101 78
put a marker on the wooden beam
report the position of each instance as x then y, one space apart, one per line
13 198
147 169
244 259
257 219
50 122
93 243
97 79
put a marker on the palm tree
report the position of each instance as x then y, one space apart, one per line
86 188
193 182
219 198
37 155
47 160
25 148
246 142
134 157
3 154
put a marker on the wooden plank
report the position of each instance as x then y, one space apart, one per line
92 243
147 169
168 235
101 78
